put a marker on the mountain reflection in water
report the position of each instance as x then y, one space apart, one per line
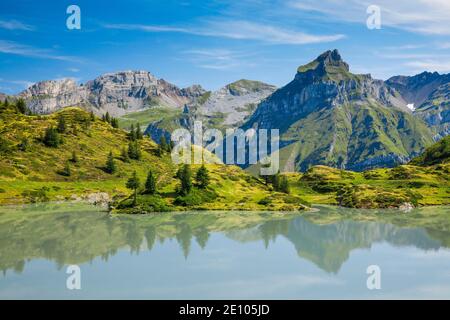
77 233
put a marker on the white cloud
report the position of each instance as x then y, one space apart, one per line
15 25
238 29
10 47
428 17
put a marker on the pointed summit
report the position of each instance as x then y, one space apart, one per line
330 59
328 66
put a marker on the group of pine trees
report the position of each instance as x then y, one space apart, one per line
19 105
114 122
279 182
164 146
135 132
184 174
134 184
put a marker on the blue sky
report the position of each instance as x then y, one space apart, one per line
213 43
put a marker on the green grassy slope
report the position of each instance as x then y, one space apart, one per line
33 174
437 153
350 135
378 188
145 117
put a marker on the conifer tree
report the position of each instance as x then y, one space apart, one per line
21 106
202 177
66 171
139 134
284 185
124 155
134 150
133 183
115 123
61 124
162 145
51 137
150 183
132 133
110 164
184 174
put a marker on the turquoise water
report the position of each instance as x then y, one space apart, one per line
225 255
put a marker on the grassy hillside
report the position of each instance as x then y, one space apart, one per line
350 135
31 171
378 188
145 117
436 154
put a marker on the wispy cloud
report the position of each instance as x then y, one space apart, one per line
15 25
443 45
429 65
427 17
21 83
10 47
238 29
418 61
219 59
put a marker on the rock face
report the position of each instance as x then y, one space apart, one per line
430 94
225 108
118 93
49 96
330 116
234 102
2 97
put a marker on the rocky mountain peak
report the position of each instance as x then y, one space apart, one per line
244 86
328 62
195 91
332 58
50 87
124 78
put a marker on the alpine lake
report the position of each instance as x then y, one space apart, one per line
328 252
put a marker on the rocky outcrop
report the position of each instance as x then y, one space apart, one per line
48 96
430 95
2 97
118 93
235 102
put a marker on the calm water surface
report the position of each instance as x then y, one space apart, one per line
227 255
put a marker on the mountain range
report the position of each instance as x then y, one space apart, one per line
116 93
326 114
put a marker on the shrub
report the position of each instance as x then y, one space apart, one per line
51 138
39 195
400 173
145 204
195 197
264 201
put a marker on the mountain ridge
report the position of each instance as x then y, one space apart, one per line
328 115
117 93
